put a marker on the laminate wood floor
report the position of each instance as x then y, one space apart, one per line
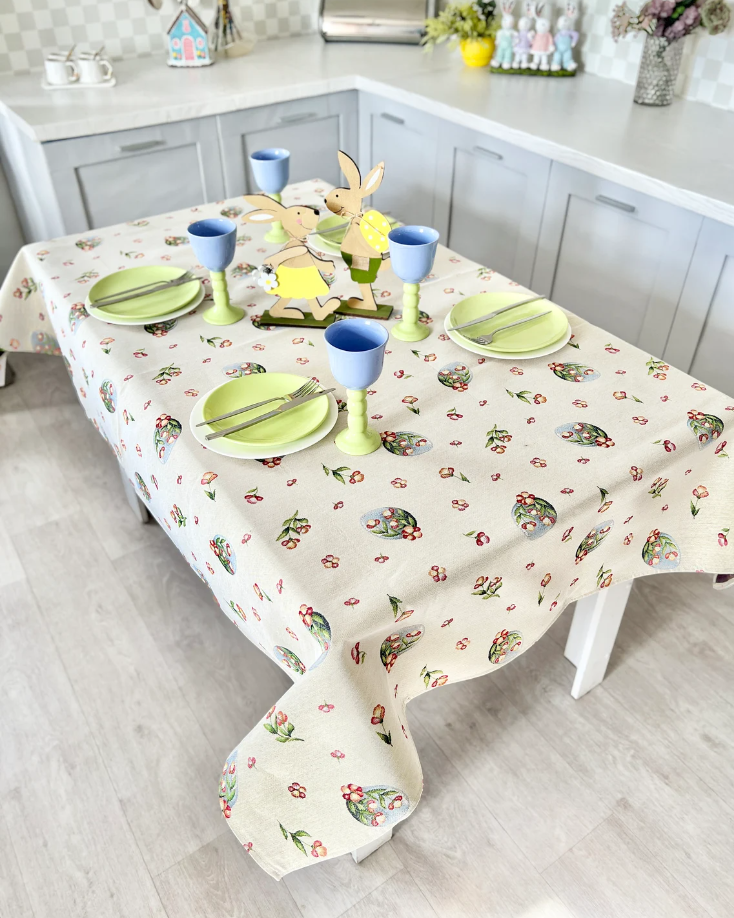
620 805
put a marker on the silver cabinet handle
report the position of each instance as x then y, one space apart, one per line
490 153
388 117
296 116
139 147
613 202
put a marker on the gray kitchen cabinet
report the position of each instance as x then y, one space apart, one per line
492 209
113 178
407 140
312 129
614 256
701 340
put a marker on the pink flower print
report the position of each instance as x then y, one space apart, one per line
440 680
410 400
546 580
446 623
291 482
582 461
580 403
301 360
356 477
398 374
326 708
381 559
246 538
636 473
462 644
566 490
611 350
297 790
530 420
399 483
330 561
619 395
495 476
722 539
378 714
247 846
539 399
698 387
628 539
538 463
251 762
670 447
337 754
411 533
351 602
454 416
281 718
639 420
437 574
482 538
318 850
459 504
516 371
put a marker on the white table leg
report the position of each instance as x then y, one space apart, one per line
592 635
136 504
359 854
6 372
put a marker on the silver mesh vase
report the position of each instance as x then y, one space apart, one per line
658 71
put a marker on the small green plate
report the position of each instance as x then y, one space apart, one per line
529 337
295 423
331 241
153 305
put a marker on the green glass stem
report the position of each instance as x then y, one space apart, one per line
276 233
358 439
222 312
410 328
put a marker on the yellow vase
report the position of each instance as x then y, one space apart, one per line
477 52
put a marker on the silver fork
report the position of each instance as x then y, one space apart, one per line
485 340
143 290
307 388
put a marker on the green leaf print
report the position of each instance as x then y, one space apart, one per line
295 837
337 473
278 725
521 396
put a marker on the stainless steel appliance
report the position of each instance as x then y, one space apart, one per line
398 21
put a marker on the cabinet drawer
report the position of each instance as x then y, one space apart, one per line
614 256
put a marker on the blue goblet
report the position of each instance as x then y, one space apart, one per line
412 252
356 351
270 169
213 242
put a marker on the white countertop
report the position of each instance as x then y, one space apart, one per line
680 154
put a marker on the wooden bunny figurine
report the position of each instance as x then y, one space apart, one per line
525 36
293 273
506 37
365 243
566 40
542 44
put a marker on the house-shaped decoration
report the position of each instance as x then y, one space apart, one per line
188 41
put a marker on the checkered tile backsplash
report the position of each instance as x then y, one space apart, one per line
127 28
131 28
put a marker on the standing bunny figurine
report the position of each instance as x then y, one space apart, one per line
542 44
524 37
566 40
293 273
506 37
365 243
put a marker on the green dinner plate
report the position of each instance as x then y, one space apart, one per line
331 241
153 305
290 426
530 337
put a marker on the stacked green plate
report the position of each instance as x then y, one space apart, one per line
147 308
522 339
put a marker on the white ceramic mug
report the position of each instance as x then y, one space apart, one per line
94 70
59 72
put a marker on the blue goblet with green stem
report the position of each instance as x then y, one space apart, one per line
270 169
214 242
356 350
412 253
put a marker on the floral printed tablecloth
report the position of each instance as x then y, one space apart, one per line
503 491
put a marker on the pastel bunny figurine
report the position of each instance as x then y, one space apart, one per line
506 37
293 273
542 44
566 40
365 244
524 38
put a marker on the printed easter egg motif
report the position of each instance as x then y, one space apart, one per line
77 314
223 550
167 431
405 443
160 329
243 270
574 372
89 243
392 523
286 656
504 642
231 211
108 395
661 551
375 806
583 434
142 486
397 643
534 515
593 539
456 376
228 785
374 228
176 241
234 370
43 343
706 427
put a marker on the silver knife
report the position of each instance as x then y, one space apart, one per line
491 315
281 409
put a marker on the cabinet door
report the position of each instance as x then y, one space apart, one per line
407 141
702 337
614 256
496 201
113 178
312 129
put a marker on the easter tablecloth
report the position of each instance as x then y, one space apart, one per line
503 491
